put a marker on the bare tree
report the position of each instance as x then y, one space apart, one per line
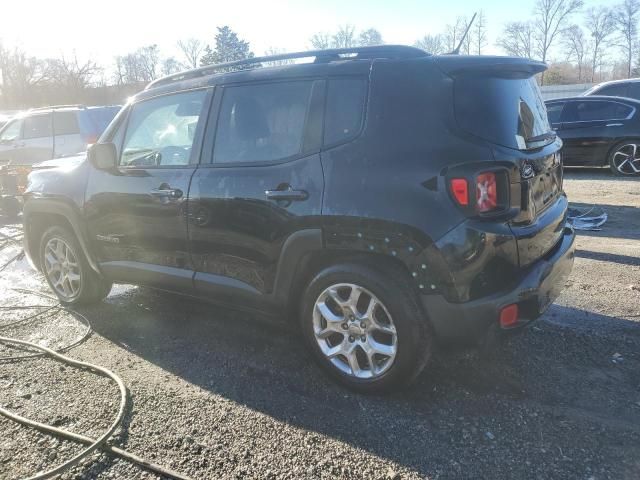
149 58
71 74
345 37
575 45
275 63
170 65
320 41
370 37
453 33
479 33
626 19
192 49
432 44
20 73
600 25
550 18
517 39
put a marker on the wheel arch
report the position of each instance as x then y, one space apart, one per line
616 145
39 215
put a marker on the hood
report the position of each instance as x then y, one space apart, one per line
65 162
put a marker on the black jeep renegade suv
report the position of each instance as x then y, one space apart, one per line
385 198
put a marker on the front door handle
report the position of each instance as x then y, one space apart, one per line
614 124
164 191
286 195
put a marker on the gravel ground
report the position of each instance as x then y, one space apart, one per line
216 394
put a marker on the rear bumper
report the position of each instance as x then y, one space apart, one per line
539 285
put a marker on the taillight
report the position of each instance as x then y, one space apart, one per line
486 192
484 187
460 190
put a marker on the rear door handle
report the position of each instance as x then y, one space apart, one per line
286 195
163 192
614 124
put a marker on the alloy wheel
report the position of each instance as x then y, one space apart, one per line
626 159
355 331
62 268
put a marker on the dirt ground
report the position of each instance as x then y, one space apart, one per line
215 394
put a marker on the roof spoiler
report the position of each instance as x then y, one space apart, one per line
509 67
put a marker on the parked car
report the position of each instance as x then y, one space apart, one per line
629 88
598 131
53 132
387 200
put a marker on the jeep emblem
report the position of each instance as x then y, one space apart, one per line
527 170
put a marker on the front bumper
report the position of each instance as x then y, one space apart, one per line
539 285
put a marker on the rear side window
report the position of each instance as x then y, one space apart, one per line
262 123
37 126
594 111
554 111
617 90
505 111
65 123
344 111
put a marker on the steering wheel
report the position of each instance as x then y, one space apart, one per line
173 155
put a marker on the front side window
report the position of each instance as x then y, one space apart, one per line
11 132
161 131
262 123
37 126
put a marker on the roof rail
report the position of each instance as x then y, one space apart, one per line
332 54
53 107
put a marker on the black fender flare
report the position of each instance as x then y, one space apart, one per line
296 246
58 207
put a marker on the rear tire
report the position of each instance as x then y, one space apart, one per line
365 327
624 159
67 270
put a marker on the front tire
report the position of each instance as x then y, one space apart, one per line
67 271
624 159
365 327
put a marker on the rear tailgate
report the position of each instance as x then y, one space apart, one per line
497 99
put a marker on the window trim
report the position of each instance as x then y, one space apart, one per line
363 117
575 102
216 110
196 150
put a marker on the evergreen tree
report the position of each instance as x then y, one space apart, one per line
228 48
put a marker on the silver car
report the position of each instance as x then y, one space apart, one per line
52 132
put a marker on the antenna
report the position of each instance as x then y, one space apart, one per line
466 32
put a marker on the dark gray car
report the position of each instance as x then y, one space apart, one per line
53 132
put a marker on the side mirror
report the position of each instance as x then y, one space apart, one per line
103 156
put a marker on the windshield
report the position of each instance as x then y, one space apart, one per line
512 108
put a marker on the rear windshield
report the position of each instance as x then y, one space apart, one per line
506 111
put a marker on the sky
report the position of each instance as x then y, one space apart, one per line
100 30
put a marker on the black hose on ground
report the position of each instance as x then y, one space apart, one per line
93 444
